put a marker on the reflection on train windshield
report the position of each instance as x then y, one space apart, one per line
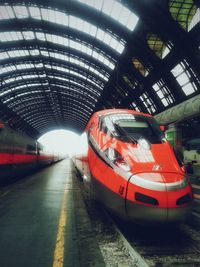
131 128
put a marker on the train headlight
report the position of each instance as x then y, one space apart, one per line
117 159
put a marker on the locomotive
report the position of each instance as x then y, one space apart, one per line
19 154
131 169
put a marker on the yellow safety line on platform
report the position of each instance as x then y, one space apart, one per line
60 241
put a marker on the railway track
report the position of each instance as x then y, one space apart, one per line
164 247
129 245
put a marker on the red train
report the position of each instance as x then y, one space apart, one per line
20 154
132 170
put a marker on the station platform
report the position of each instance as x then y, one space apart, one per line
44 223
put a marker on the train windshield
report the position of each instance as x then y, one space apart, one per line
131 128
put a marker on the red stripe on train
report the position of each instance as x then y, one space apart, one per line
6 158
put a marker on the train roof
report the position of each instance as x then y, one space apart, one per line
115 111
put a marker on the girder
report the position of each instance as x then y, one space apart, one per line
62 60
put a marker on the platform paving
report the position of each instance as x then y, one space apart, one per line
44 223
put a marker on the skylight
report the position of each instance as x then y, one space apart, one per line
163 93
53 16
68 89
66 70
148 103
115 10
59 40
78 62
182 74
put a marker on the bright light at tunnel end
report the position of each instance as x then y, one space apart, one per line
64 142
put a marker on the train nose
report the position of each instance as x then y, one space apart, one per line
151 199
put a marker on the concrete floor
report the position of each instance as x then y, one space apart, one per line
43 222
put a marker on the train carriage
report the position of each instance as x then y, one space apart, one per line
132 170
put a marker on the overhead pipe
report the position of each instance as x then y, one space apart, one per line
187 109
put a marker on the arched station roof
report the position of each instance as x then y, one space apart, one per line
62 60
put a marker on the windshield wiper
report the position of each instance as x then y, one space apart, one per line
124 133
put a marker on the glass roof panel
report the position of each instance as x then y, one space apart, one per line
81 63
182 79
69 90
21 12
178 69
182 12
15 88
160 48
6 12
28 35
16 53
115 10
16 36
140 67
35 12
107 7
65 70
188 89
61 18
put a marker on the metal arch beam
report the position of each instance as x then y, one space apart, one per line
50 72
29 108
81 112
74 114
21 109
56 29
93 93
59 74
13 119
29 114
33 82
37 117
46 71
31 93
39 45
83 12
43 70
161 22
184 44
34 117
72 78
73 107
126 68
72 126
31 105
72 91
24 90
69 65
